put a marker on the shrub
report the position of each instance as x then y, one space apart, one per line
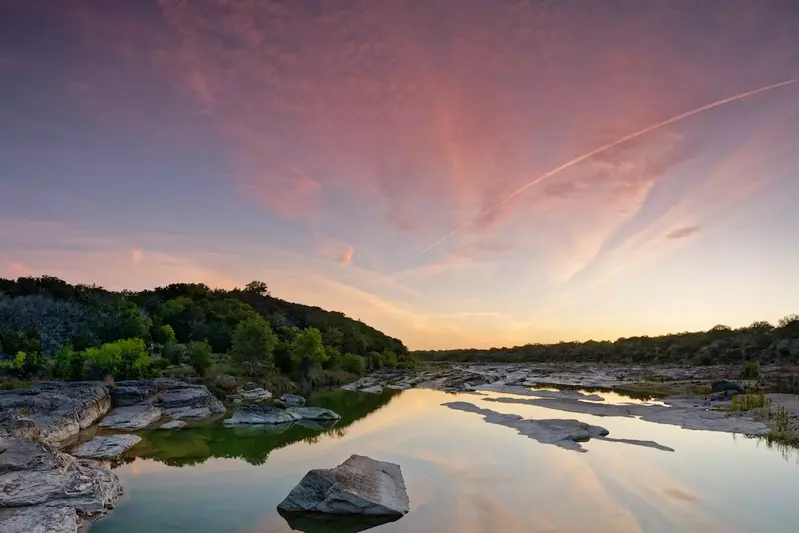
751 370
353 363
24 364
375 360
703 359
200 357
174 353
124 359
69 364
390 360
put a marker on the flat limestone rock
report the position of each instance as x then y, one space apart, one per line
166 393
259 414
52 411
106 446
257 394
312 413
175 424
375 389
33 473
132 417
39 519
358 486
686 414
292 400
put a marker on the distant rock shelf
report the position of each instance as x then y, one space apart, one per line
564 433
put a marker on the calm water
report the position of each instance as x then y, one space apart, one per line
463 475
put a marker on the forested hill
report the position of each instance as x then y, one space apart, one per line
46 313
760 341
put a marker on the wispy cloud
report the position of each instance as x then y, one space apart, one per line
137 255
346 256
682 233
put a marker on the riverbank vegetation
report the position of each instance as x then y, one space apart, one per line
760 342
50 329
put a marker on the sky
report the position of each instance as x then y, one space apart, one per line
457 174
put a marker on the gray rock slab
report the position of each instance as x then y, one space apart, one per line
312 413
52 411
132 417
39 519
358 486
34 473
259 414
106 446
375 389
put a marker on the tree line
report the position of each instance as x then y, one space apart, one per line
759 342
50 328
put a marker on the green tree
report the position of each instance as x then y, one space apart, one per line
353 363
257 287
307 349
390 359
333 360
174 352
253 344
375 360
200 357
164 335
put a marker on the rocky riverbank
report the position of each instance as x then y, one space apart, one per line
45 490
696 397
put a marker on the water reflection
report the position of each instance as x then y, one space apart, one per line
317 523
253 443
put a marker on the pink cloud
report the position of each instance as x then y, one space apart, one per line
346 256
136 256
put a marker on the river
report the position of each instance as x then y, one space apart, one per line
463 474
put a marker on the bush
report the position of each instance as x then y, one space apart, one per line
69 364
200 357
354 364
390 360
375 360
175 353
307 349
703 359
125 359
751 370
24 364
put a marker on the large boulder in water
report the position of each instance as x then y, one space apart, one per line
52 411
358 486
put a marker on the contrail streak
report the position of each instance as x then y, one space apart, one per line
608 146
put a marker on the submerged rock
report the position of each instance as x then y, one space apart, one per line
312 413
34 473
688 414
257 394
132 417
195 413
292 400
259 414
52 411
175 424
106 446
564 433
39 519
358 486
